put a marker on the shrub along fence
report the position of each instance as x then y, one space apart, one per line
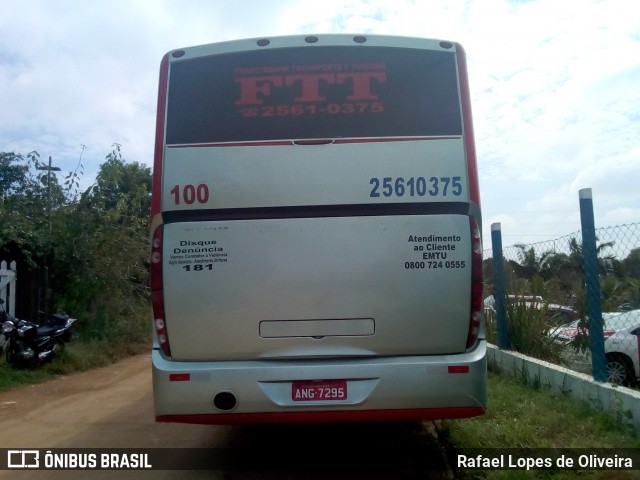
573 301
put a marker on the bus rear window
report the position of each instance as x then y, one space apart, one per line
315 92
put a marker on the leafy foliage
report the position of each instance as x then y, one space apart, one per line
94 244
554 270
528 331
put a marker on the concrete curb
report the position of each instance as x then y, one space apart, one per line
623 403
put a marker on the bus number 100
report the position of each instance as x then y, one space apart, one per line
190 194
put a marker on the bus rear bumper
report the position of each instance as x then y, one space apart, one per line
376 389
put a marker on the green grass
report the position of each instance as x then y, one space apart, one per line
522 416
525 416
95 344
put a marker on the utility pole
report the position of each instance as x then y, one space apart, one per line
49 169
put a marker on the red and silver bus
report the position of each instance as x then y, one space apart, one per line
316 233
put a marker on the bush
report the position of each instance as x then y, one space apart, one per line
528 332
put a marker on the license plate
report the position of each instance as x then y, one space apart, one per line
324 390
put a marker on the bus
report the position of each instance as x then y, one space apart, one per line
316 233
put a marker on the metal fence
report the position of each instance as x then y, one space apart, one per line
573 301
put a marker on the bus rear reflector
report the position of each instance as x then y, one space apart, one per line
458 369
157 294
156 259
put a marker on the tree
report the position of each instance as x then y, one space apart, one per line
13 175
96 251
123 187
103 245
631 264
23 209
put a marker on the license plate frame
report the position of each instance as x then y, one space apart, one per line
319 391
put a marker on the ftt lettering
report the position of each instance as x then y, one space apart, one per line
254 90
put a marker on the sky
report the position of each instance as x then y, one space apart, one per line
555 87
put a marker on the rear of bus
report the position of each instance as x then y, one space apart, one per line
316 233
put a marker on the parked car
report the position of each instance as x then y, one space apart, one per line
621 346
490 301
556 315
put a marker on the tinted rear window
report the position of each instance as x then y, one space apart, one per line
314 92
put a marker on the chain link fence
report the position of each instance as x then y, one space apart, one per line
558 307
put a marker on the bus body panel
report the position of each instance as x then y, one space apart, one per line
446 386
416 171
224 280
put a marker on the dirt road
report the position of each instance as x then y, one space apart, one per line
112 407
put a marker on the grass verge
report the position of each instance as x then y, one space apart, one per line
526 416
107 338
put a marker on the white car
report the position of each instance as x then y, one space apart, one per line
621 347
621 344
555 315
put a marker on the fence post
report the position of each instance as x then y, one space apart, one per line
8 285
592 285
498 285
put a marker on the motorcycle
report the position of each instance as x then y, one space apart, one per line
28 343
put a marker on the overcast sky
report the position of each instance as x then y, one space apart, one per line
555 87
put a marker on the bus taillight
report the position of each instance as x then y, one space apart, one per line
157 294
476 283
